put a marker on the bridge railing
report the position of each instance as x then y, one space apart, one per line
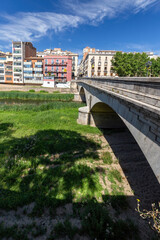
146 90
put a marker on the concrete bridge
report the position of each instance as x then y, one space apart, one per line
118 102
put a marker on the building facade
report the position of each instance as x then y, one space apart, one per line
57 67
20 51
2 64
33 70
96 63
60 52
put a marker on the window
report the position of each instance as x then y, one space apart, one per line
52 68
1 64
46 61
57 69
45 69
8 79
62 61
1 78
52 61
17 63
1 71
57 61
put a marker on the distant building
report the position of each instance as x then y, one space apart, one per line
6 61
57 68
96 63
8 68
33 70
60 52
2 63
20 51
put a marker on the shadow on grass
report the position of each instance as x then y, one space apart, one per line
5 129
49 169
43 167
135 166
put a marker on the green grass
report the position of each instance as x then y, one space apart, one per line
47 158
107 158
36 96
41 107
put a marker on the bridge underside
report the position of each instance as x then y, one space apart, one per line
107 111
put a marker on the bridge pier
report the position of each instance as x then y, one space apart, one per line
102 118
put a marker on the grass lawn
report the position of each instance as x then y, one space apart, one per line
53 176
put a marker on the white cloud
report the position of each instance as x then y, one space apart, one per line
31 26
96 10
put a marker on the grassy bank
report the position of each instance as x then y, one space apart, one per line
36 96
53 175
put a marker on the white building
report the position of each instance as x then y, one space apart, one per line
96 63
20 50
33 70
2 64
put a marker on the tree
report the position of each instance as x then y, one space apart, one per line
129 64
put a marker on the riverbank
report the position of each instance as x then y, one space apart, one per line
62 180
26 88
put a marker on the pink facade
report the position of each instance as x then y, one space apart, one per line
57 67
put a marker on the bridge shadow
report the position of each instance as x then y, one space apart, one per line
134 165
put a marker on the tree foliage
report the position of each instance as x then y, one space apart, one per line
134 65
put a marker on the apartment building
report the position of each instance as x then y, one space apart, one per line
60 52
96 63
2 62
8 68
33 70
20 51
57 68
6 75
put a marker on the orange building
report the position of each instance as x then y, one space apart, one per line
8 72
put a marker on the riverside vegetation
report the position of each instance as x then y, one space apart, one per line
56 178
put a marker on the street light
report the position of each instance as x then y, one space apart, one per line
148 65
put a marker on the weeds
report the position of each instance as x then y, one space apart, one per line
107 158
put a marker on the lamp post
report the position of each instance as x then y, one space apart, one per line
148 65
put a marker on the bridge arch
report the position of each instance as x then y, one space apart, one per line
103 116
82 94
115 113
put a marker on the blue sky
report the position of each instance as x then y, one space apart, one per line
128 25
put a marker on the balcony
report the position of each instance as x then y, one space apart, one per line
38 75
27 63
56 64
8 73
17 52
38 69
28 75
17 70
16 46
28 69
17 59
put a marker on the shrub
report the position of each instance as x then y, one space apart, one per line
31 90
43 91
